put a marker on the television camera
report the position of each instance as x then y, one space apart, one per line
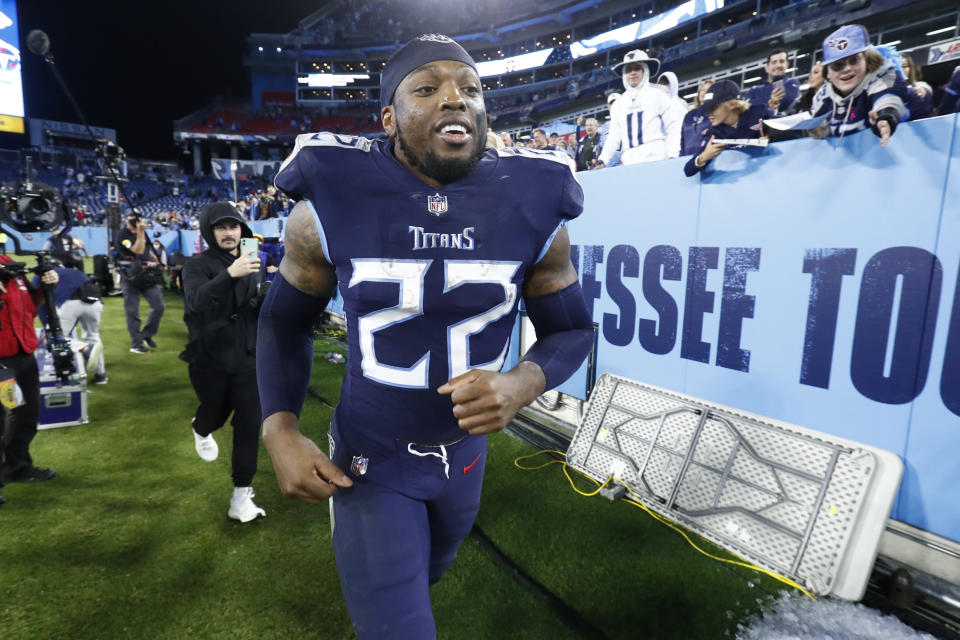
26 208
57 344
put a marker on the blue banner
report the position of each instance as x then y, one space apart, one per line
94 239
814 281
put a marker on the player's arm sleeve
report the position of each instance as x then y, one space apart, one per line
612 142
564 333
555 305
285 346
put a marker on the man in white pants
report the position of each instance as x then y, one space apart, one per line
645 123
79 305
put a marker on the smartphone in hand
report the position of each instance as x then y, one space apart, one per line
249 244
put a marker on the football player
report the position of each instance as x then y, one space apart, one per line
432 239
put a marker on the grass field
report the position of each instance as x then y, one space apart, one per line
131 539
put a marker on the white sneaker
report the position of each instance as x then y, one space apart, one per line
206 447
242 507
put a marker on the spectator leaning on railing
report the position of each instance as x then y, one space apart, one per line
864 88
730 119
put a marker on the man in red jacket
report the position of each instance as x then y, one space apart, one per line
18 340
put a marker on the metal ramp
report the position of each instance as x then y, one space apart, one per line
806 505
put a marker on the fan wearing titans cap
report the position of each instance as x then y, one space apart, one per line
432 239
645 122
865 87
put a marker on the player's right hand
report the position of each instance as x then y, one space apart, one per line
244 265
303 471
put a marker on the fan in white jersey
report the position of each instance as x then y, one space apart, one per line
644 123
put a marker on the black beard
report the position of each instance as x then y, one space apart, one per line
445 171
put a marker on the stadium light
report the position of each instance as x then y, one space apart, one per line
689 96
891 44
936 31
753 79
278 49
802 55
259 48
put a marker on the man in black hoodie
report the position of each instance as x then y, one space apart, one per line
221 310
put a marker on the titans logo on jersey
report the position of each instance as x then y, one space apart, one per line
430 278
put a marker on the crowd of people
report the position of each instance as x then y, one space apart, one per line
856 86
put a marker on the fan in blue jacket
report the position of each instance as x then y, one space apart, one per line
777 92
865 87
730 118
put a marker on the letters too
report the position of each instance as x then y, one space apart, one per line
899 287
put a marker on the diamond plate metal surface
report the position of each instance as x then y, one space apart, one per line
784 499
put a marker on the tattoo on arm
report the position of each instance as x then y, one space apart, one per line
304 265
554 272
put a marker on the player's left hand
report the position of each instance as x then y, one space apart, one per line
883 127
486 401
50 277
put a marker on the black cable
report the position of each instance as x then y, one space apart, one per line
561 608
319 398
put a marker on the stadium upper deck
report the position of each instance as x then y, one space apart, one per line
539 61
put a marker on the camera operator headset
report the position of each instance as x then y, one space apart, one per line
142 276
18 341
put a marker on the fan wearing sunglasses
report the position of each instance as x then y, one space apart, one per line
864 88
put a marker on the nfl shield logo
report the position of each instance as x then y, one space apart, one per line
437 204
359 465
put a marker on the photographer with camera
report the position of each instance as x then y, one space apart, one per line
18 341
222 305
142 276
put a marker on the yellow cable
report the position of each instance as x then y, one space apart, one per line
517 464
637 502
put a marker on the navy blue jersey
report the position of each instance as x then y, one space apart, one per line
430 277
